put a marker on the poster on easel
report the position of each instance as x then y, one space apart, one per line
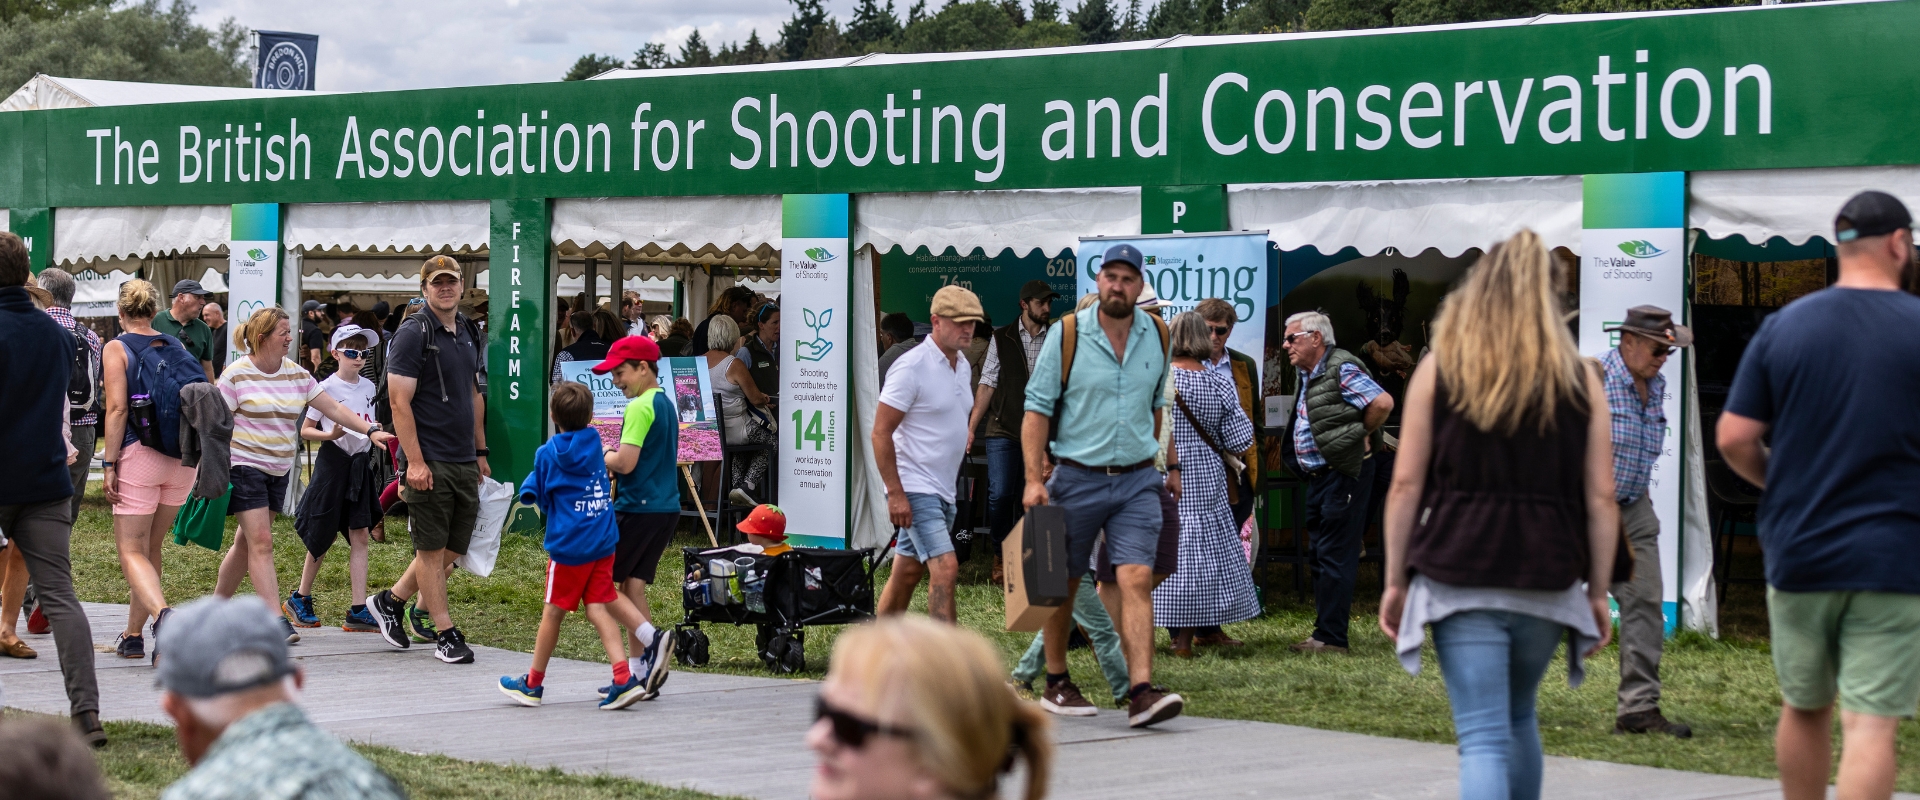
692 391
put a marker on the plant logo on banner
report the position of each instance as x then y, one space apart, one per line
1640 248
820 254
821 345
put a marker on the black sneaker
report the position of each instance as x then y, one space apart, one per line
386 610
1651 722
130 646
161 618
286 626
452 648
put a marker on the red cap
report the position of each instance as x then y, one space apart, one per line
766 521
628 348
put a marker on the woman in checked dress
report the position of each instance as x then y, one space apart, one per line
1214 584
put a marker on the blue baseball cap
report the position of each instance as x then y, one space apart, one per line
1125 254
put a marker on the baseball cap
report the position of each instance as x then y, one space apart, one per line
439 265
766 521
1037 290
957 303
220 646
628 348
381 309
189 286
349 331
1868 213
309 306
1125 254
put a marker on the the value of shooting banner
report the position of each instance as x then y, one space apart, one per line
816 390
686 381
1184 269
1632 253
253 268
1788 86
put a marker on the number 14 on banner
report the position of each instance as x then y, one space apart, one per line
812 430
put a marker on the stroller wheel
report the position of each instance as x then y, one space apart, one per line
683 646
697 648
795 658
775 654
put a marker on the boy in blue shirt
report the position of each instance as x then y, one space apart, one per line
569 485
646 501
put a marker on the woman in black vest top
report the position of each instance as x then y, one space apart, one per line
1501 522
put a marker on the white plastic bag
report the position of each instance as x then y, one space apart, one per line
495 499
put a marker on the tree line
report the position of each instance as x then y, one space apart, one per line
138 41
970 25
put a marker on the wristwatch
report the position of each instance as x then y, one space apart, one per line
1173 467
373 428
480 451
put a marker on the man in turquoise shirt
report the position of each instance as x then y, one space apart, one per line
1108 433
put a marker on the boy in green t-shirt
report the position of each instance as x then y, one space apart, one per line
646 500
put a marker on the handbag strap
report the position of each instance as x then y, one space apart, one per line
1181 401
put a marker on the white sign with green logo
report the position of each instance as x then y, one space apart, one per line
253 266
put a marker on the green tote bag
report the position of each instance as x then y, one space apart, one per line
202 521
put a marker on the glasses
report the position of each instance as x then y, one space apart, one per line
1661 351
1218 330
852 731
351 353
1295 337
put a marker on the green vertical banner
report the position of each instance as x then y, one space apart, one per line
35 226
816 391
517 336
1200 208
253 266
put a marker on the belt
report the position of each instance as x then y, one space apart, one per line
1116 470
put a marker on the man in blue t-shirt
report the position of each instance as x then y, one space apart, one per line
1832 382
646 492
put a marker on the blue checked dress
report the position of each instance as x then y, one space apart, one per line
1214 584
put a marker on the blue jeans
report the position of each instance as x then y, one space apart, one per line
1006 479
1092 617
930 536
1493 662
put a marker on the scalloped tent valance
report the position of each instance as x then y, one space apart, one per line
1452 216
1796 204
450 225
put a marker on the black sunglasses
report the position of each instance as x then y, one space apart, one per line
852 731
1293 337
1219 330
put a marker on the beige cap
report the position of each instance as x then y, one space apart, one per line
437 265
958 304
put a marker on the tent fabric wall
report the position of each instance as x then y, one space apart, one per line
1795 204
867 515
1699 603
1051 220
1452 216
380 227
749 221
86 234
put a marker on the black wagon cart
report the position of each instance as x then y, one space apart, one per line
780 595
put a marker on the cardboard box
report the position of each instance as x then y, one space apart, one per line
1036 572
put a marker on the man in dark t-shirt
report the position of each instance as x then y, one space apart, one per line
182 321
313 348
1832 382
434 367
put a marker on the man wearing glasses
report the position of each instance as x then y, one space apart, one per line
1636 394
1332 436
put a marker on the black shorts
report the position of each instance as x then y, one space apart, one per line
1166 553
253 489
643 539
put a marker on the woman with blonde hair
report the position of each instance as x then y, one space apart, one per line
912 709
145 486
269 394
1501 522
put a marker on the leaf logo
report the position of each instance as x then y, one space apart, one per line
257 254
1640 248
819 254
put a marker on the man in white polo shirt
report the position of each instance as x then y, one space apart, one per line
924 405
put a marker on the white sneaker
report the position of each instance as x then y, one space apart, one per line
739 497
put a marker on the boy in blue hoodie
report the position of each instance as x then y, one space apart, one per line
569 485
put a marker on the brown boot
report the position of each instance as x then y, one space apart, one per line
1651 722
999 571
1219 639
1183 643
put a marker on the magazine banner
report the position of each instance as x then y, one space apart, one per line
1184 269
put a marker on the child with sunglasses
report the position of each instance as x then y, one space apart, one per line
344 495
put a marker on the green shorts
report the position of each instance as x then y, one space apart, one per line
443 517
1864 646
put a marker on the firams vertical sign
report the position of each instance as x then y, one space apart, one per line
517 332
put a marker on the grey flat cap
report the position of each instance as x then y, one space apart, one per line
212 647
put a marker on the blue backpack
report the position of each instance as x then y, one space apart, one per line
161 369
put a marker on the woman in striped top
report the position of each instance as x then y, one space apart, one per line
269 394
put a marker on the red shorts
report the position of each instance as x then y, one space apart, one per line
567 585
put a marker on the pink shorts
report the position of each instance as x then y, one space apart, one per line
150 479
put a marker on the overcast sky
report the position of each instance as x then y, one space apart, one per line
415 44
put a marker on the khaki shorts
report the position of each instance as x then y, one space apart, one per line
443 518
1863 646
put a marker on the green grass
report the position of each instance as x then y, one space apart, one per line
141 759
1724 688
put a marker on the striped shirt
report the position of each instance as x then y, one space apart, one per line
266 412
1639 429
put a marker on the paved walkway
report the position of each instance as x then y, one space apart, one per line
694 733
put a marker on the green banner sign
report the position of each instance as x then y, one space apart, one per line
518 329
1786 86
908 280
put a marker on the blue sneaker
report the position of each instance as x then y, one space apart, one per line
299 608
626 694
659 655
359 620
521 693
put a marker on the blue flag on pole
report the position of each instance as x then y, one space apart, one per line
284 60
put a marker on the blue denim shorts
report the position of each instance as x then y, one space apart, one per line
928 537
1126 506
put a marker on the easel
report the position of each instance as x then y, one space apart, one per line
686 472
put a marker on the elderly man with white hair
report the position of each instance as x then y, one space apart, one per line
230 688
1335 430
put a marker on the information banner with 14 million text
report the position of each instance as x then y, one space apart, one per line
816 263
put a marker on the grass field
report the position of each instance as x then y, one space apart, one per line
1724 688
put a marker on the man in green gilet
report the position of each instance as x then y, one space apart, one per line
1334 430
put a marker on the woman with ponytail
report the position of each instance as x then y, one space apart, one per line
912 709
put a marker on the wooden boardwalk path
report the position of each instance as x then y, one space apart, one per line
737 735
